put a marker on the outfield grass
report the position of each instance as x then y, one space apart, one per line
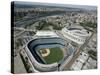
55 55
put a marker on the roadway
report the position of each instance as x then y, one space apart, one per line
22 30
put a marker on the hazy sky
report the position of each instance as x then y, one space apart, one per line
60 5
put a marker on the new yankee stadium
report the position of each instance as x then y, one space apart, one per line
48 51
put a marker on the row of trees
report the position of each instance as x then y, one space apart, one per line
93 54
88 24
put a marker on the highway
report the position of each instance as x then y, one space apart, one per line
22 31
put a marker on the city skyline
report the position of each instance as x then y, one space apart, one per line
87 7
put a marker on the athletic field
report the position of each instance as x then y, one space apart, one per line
55 55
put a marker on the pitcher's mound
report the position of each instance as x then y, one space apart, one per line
45 52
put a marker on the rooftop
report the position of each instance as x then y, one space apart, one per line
47 33
79 62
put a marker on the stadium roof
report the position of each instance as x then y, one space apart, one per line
46 33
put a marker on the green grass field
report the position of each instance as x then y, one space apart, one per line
55 55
